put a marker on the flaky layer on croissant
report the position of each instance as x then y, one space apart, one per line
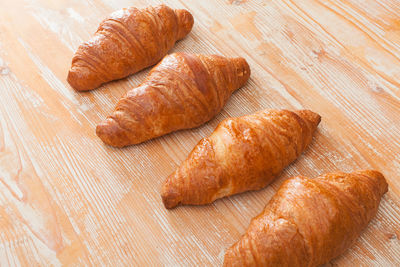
183 91
242 154
126 42
308 222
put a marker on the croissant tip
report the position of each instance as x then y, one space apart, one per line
169 195
111 133
81 79
378 176
185 22
169 202
312 117
73 79
242 70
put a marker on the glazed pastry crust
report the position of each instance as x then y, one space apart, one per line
183 91
245 153
126 42
309 222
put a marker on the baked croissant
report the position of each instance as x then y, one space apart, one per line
126 42
183 91
308 222
242 154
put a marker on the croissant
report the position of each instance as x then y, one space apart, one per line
308 222
126 42
183 91
242 154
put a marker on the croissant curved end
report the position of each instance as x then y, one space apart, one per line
185 22
313 118
378 177
242 70
81 78
170 196
112 134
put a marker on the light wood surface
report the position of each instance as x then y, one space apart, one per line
67 199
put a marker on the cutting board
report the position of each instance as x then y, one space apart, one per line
68 199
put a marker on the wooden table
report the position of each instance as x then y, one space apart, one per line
67 199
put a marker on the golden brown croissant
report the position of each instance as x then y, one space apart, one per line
308 222
183 91
242 154
126 42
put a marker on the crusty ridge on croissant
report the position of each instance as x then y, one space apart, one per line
183 91
242 154
126 42
308 222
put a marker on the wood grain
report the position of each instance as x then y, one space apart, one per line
67 199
